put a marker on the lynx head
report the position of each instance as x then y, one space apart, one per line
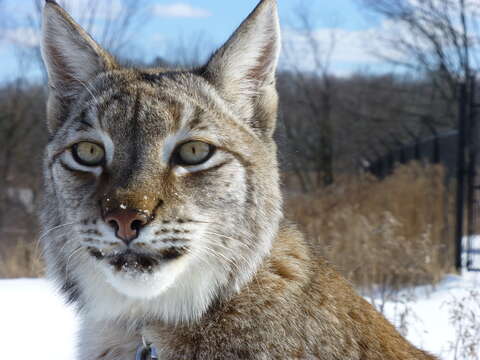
162 185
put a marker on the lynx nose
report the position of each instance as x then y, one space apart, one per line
126 223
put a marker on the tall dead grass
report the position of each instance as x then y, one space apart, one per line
21 260
382 234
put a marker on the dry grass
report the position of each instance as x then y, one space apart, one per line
383 235
21 260
465 319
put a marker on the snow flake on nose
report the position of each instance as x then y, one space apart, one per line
122 206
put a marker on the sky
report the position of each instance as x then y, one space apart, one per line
204 25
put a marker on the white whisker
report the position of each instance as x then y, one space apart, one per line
236 254
239 242
55 228
54 237
219 256
88 88
70 257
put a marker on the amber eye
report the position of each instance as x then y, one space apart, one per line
193 153
88 154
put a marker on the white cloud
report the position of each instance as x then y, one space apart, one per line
181 10
355 48
22 36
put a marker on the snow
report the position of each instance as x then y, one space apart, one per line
34 322
424 314
472 253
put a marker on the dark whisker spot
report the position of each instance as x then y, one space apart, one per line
173 240
91 232
173 253
95 253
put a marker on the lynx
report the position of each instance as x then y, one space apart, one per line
164 212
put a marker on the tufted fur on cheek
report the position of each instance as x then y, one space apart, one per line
72 58
243 70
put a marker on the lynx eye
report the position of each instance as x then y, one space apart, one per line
88 154
193 153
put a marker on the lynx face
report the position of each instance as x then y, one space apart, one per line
153 199
162 186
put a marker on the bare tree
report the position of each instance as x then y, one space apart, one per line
190 51
22 138
440 38
312 130
112 22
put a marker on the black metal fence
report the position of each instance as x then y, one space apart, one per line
438 148
459 151
468 179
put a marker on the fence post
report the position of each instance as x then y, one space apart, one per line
416 143
462 124
471 169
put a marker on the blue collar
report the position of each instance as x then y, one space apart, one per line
146 351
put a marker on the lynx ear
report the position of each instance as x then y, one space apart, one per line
244 68
71 57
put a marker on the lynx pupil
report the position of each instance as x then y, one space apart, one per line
194 153
88 154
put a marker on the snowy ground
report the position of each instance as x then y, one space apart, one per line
473 245
34 324
436 319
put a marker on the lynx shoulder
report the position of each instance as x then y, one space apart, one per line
164 211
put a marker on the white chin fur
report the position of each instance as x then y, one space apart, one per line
140 285
178 292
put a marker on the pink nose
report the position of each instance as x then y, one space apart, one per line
126 223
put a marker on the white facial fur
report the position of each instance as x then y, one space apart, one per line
130 282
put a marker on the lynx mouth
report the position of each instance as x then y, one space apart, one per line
131 261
